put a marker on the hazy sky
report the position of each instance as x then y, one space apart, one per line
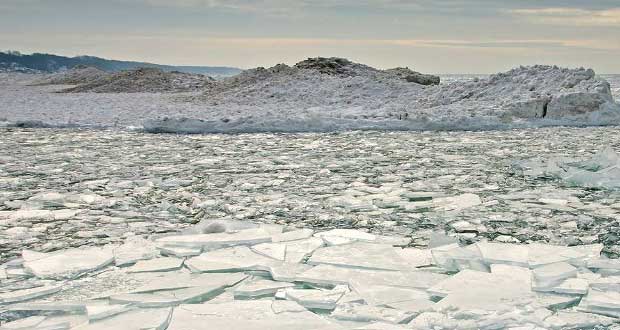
441 36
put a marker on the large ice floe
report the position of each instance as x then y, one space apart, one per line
336 94
601 171
257 276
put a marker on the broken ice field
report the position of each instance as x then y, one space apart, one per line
360 230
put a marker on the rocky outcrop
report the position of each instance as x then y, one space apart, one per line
415 77
331 66
334 66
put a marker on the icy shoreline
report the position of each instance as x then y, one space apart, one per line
277 103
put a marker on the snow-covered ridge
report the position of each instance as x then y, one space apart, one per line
299 98
317 96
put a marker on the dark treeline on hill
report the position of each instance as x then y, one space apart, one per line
54 63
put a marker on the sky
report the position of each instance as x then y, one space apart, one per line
435 36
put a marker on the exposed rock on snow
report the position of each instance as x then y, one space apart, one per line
332 66
415 77
144 80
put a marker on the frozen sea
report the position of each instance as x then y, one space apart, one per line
145 183
66 192
115 182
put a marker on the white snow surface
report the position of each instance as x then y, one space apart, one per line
289 99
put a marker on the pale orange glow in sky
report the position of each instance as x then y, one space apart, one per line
442 36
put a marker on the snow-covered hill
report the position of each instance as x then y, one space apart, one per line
303 98
325 95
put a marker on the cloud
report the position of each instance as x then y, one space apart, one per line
557 12
298 6
590 44
570 16
279 43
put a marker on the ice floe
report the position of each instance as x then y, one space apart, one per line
602 170
70 263
242 280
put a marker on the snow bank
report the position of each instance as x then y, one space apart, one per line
349 96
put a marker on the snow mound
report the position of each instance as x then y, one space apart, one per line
78 75
315 73
601 171
144 80
336 94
